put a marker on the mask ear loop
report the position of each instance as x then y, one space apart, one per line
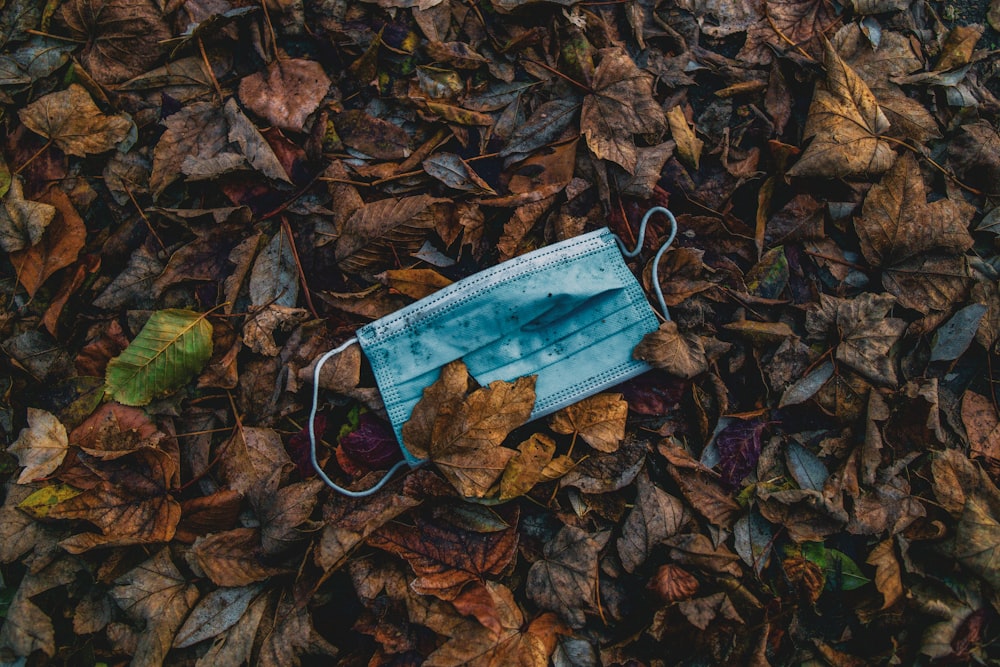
312 433
659 253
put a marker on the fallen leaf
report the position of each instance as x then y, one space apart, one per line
655 516
157 594
438 402
215 613
456 173
565 579
372 136
41 446
60 246
132 503
621 106
701 611
382 229
679 354
415 283
169 351
22 221
598 419
196 132
602 473
688 145
673 583
707 496
888 578
70 119
235 646
282 512
122 37
977 536
739 446
253 147
526 468
252 455
844 122
789 22
232 558
286 92
446 558
292 636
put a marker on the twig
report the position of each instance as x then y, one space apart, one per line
32 158
142 214
298 265
210 71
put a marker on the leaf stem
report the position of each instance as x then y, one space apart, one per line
287 229
32 158
933 163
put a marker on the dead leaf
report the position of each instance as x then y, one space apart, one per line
123 37
621 106
197 132
456 173
439 402
844 122
41 446
157 594
235 646
282 512
679 354
22 221
379 231
688 145
565 580
603 473
286 92
132 503
446 558
60 246
71 120
788 22
251 456
979 416
215 613
977 536
702 611
526 468
707 496
673 583
887 572
292 636
655 516
415 283
252 145
372 136
232 558
598 419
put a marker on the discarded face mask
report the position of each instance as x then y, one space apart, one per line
570 313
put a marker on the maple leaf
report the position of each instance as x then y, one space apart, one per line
22 221
445 558
620 107
565 580
655 516
70 119
844 122
598 419
679 354
157 594
286 92
908 237
123 37
864 332
41 446
131 504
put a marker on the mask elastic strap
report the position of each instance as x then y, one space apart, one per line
659 253
312 433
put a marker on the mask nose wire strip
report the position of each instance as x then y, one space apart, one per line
659 253
312 433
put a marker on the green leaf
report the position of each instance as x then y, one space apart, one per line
837 566
171 349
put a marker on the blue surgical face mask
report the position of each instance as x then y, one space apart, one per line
570 314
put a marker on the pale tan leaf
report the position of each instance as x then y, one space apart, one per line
887 572
688 145
679 354
41 446
22 221
526 468
598 419
70 119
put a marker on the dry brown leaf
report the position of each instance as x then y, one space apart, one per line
844 122
22 221
232 558
598 419
688 145
70 119
286 92
446 558
526 468
673 583
800 22
123 37
440 401
156 594
655 516
251 456
292 636
198 131
372 136
621 107
979 416
415 283
679 354
380 231
706 496
887 572
60 246
565 580
41 446
282 512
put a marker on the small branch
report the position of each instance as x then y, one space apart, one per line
287 228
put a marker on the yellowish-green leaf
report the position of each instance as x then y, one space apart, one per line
41 501
170 350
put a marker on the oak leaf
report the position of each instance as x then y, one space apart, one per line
446 558
667 348
22 221
655 516
844 122
70 119
620 107
41 446
157 594
598 419
565 579
286 92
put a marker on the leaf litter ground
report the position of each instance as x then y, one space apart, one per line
200 198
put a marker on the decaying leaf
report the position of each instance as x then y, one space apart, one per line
844 122
22 221
378 230
679 354
70 119
527 467
41 446
565 580
656 516
865 333
599 420
286 92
